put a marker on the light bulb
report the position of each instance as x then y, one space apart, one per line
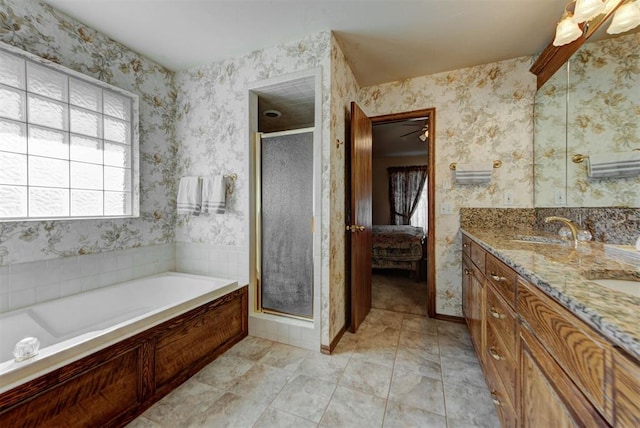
587 9
567 31
626 17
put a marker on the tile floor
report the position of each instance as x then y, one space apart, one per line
396 291
399 370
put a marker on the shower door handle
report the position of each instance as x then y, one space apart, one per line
355 228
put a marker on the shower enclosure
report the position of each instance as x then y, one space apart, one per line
284 222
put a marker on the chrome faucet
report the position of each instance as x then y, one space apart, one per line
571 225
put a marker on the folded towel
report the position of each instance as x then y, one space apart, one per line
214 193
189 196
473 173
613 165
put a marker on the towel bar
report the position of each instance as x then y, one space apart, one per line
496 164
579 158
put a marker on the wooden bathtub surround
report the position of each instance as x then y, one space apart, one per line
109 388
543 365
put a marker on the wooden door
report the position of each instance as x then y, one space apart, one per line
360 227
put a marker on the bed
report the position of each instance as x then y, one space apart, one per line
398 247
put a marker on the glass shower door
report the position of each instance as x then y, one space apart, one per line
285 223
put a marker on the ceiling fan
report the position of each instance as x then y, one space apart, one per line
424 130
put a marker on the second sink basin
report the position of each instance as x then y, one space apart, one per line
631 288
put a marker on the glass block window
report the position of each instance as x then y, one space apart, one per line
67 146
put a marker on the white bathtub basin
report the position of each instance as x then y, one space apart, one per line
74 326
631 288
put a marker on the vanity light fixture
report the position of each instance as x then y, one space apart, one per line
567 30
587 9
626 17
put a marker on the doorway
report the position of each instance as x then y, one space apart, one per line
419 127
400 215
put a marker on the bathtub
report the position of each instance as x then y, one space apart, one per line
76 326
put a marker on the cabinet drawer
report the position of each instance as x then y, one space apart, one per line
478 256
626 391
570 342
502 319
503 361
466 245
501 398
502 277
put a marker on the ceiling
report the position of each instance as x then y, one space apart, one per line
293 99
390 139
383 41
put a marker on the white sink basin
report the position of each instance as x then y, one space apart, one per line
631 288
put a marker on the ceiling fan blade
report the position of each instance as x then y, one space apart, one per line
412 132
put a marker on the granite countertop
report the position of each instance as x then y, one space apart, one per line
565 273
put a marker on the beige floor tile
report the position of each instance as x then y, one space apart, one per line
453 330
346 346
470 404
251 348
353 409
284 357
224 371
419 361
417 340
324 367
420 324
397 292
305 396
418 391
367 377
273 418
383 317
374 352
403 416
142 422
261 383
454 348
462 372
190 399
455 423
230 411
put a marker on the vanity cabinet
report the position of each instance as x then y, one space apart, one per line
473 292
543 365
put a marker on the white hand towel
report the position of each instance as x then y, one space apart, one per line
473 173
214 193
189 196
614 165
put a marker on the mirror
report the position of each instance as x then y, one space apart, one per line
590 106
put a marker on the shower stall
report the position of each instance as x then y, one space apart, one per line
284 224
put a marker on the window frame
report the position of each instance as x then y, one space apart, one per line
134 115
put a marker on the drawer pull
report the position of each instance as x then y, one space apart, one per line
494 354
495 399
468 272
494 313
497 278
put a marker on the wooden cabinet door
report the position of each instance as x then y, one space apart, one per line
548 398
476 309
466 288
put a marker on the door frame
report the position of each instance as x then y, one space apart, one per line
431 193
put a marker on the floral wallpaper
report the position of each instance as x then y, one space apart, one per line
603 112
211 127
482 113
600 116
344 89
41 30
550 135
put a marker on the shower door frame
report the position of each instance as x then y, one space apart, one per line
257 153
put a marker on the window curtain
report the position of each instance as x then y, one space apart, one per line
405 187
